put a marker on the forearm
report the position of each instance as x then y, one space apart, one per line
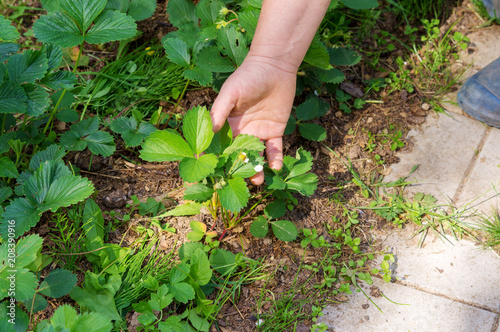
285 31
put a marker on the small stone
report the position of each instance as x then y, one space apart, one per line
365 306
116 199
426 106
61 125
416 119
369 120
338 114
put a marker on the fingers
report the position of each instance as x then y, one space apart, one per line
257 179
223 105
274 151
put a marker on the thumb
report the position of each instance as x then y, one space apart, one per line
222 107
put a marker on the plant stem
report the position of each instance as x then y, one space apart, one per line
253 207
54 110
175 106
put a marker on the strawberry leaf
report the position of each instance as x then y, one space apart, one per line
7 31
84 12
111 26
195 169
198 192
197 129
234 195
259 227
165 145
177 51
284 230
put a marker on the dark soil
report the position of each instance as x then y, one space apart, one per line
116 178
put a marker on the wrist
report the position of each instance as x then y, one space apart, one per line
272 57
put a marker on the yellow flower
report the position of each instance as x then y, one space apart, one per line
150 52
223 11
221 24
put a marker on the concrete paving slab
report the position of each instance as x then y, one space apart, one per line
425 313
444 148
485 49
484 179
462 272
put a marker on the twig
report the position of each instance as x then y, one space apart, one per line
104 175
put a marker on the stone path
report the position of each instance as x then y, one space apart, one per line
441 286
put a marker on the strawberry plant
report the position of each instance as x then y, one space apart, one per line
312 108
215 167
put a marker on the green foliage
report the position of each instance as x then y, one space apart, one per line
76 22
138 9
220 173
132 132
310 109
49 187
66 318
85 134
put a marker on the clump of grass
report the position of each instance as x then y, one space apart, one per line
139 80
422 9
491 226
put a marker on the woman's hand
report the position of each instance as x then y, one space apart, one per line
257 100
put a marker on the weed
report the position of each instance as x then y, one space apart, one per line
491 226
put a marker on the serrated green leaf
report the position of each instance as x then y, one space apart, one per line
309 109
122 125
200 269
234 195
7 168
234 44
200 324
5 192
177 51
58 29
72 141
182 292
197 129
66 101
84 12
54 56
64 317
343 57
111 26
27 249
6 50
171 324
275 210
284 230
59 282
303 165
136 137
181 11
305 184
208 11
59 80
38 99
210 59
195 169
141 9
259 227
333 75
222 261
99 300
245 142
248 20
8 32
187 209
67 115
86 127
161 299
101 142
360 4
27 67
13 99
198 74
23 212
21 322
165 146
26 283
312 131
39 303
198 192
185 252
317 54
221 140
93 225
68 190
94 322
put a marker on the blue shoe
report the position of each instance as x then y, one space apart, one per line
493 7
480 95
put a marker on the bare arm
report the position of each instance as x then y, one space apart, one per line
258 97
